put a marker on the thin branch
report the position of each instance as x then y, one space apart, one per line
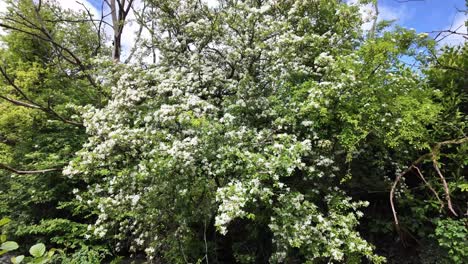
429 186
23 172
138 37
446 189
392 194
395 183
19 103
32 104
451 142
206 243
447 67
77 60
13 84
97 27
448 33
78 21
44 35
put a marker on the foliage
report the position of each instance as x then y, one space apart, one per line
37 251
84 255
43 134
38 255
6 246
451 235
260 135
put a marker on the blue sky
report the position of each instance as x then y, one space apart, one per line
427 15
96 3
422 15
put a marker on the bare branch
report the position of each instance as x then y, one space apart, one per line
42 33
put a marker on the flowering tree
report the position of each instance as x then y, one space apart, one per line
236 145
258 135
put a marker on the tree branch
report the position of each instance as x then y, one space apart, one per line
395 183
43 34
446 189
30 103
429 186
433 156
19 103
23 172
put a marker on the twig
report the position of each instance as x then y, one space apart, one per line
435 152
395 183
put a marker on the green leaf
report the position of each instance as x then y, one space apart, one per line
9 246
42 260
51 253
463 187
17 260
4 221
37 250
3 238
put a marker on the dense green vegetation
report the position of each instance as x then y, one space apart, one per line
265 132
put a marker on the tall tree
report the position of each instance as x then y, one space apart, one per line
45 72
